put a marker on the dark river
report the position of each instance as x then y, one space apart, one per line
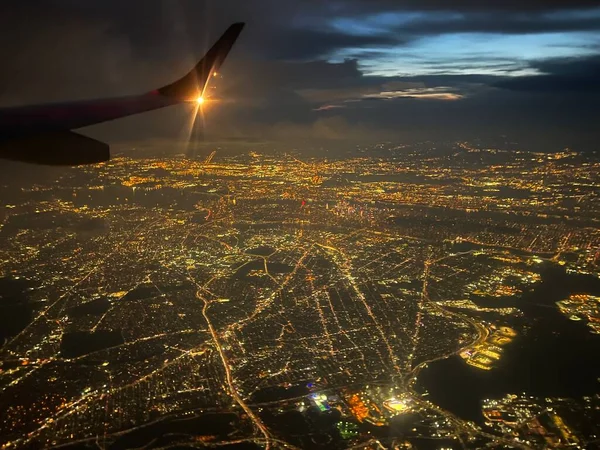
554 356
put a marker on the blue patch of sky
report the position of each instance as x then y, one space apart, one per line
420 56
445 52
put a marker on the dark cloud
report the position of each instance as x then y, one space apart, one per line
587 66
504 23
363 6
561 75
341 91
311 44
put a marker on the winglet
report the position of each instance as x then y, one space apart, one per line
189 86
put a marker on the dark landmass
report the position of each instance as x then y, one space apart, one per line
93 308
218 425
278 393
81 343
15 311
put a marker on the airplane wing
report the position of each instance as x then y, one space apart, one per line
36 133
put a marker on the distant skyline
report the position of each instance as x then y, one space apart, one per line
307 70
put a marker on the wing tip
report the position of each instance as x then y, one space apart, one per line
195 81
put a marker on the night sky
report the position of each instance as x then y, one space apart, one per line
322 70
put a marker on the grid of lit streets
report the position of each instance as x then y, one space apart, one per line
270 299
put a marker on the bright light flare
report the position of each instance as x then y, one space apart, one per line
200 100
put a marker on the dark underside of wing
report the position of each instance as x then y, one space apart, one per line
62 148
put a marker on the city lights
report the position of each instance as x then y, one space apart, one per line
252 286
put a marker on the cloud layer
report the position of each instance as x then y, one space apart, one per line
332 70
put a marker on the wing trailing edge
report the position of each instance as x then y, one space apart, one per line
60 148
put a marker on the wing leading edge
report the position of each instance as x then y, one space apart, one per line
30 124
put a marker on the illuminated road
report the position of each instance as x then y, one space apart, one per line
232 389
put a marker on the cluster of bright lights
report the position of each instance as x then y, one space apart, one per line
200 100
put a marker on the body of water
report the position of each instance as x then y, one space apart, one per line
552 357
